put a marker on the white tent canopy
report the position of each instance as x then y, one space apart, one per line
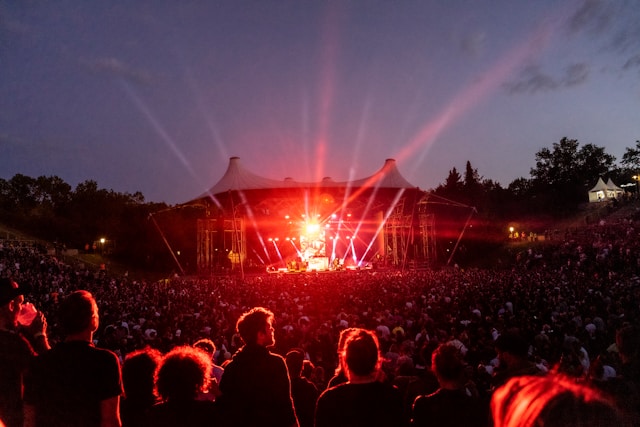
604 191
238 178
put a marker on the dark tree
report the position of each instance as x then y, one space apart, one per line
452 187
565 172
631 157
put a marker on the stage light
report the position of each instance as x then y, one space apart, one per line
313 228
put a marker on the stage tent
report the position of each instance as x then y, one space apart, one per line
248 222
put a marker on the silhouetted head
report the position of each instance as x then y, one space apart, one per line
361 353
295 360
78 313
447 363
138 371
552 401
206 345
183 373
255 326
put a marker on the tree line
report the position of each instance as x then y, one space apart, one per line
51 209
557 185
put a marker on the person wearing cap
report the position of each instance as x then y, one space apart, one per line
18 345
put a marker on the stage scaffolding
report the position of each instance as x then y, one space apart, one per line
427 229
407 239
221 245
409 236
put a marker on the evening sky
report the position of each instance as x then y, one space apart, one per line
155 96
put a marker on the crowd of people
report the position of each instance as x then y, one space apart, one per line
567 309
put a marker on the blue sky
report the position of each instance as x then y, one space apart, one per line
156 96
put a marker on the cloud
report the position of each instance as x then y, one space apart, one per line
615 21
534 80
7 140
115 67
474 43
575 74
594 16
14 27
632 63
626 38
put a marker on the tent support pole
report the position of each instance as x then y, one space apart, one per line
455 248
167 243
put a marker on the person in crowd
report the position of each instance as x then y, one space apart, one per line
552 401
589 280
340 376
303 391
182 374
413 381
18 345
138 370
513 355
308 369
628 343
213 390
625 387
363 400
452 405
255 386
74 383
